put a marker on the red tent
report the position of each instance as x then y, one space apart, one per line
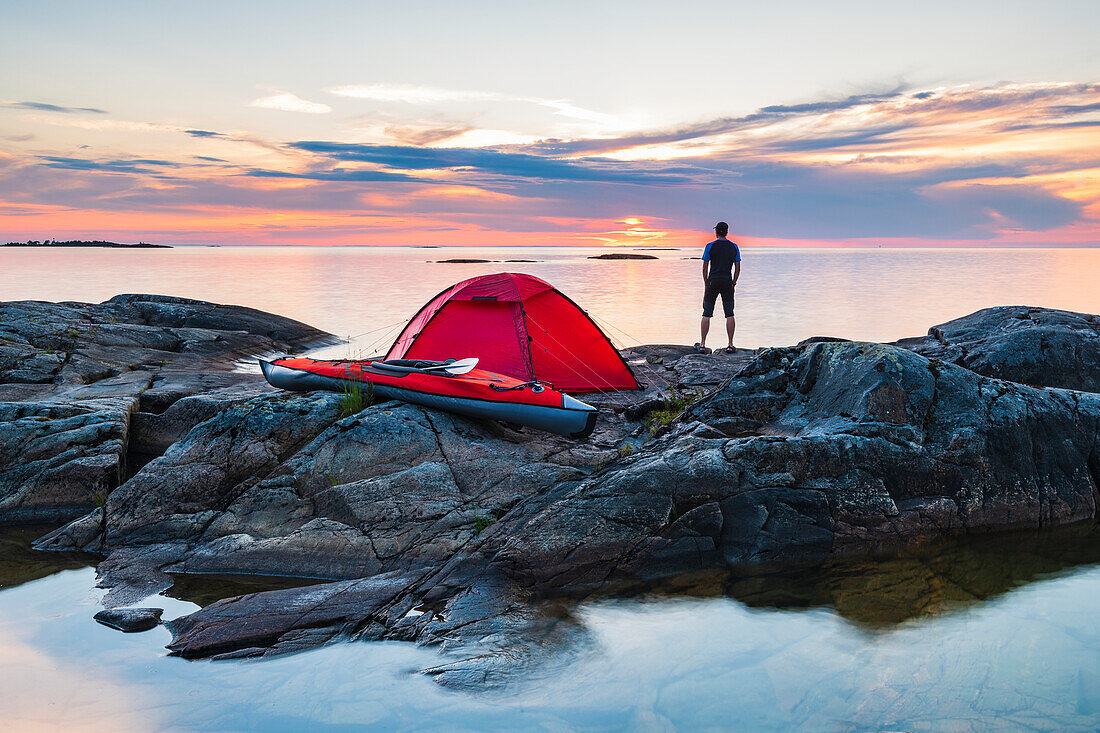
517 325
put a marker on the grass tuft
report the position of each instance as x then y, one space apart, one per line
355 399
671 409
481 522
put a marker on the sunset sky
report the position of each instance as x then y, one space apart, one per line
973 123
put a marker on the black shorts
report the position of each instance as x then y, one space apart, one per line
716 287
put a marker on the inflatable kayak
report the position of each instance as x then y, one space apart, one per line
473 392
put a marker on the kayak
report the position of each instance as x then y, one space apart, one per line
476 393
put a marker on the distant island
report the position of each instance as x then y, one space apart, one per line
84 243
623 256
463 261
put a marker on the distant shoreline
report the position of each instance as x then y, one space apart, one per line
82 243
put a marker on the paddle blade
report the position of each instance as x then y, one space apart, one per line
462 366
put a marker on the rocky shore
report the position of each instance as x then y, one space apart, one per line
133 419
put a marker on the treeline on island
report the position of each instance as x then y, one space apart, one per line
80 243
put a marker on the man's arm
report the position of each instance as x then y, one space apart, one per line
706 271
736 272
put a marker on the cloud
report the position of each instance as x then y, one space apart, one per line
834 142
288 102
130 165
1051 125
424 135
427 95
409 94
335 174
974 164
764 117
21 138
44 107
496 162
850 117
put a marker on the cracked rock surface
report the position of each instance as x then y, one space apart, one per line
473 537
1040 346
84 389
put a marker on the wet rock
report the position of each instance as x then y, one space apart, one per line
130 619
272 621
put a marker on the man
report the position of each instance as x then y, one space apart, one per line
721 268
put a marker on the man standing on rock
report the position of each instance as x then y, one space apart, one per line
721 268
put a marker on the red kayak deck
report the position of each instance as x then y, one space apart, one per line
476 384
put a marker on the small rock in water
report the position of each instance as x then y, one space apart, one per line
130 619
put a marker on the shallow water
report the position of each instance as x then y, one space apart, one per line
785 294
995 634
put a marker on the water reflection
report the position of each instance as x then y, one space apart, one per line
20 564
879 593
202 590
857 645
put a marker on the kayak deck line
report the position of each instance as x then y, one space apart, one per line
478 394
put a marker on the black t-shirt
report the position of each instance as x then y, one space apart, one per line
721 254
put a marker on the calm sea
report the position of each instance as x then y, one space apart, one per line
784 296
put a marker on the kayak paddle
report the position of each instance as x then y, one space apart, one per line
462 366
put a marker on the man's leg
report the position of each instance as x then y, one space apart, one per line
710 296
727 307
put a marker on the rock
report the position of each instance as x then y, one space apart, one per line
282 485
623 256
1039 346
708 370
82 387
177 495
153 433
858 445
130 619
57 460
273 620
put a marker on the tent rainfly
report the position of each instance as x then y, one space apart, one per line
520 326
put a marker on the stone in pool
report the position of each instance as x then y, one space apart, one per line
130 619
